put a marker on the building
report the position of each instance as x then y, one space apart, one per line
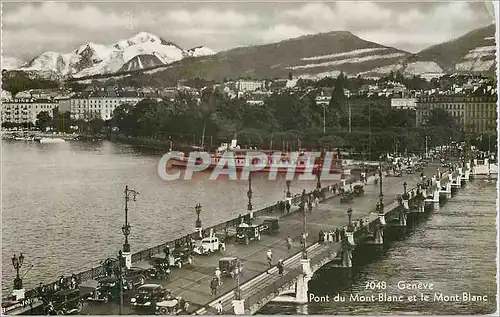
250 85
26 110
404 103
98 107
476 114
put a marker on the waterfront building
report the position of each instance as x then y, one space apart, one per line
22 110
475 114
98 107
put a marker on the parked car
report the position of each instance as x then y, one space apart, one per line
107 289
180 257
170 305
134 277
67 302
209 245
148 295
161 267
229 266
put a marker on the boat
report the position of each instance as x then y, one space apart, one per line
51 140
280 164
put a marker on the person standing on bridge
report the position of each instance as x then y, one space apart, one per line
270 258
219 308
281 267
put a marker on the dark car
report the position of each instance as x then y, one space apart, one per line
161 267
180 257
107 289
229 266
148 295
271 225
67 302
135 276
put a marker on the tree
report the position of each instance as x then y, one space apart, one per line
290 75
43 120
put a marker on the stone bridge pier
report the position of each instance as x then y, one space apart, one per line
302 284
348 246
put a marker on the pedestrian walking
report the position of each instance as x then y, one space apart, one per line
320 236
288 206
288 243
269 255
217 275
218 307
213 286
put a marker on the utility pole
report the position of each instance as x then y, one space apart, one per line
324 118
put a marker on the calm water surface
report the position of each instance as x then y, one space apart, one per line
455 249
63 204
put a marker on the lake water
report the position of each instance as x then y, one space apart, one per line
63 204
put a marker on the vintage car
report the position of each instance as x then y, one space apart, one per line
229 266
358 190
148 295
161 267
134 277
107 289
246 233
271 225
67 302
209 245
170 305
180 257
346 197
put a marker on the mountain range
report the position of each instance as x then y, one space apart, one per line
325 54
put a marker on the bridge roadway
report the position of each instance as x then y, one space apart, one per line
192 282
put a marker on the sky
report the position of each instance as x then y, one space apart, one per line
31 27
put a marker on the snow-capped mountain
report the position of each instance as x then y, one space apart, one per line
10 63
141 51
199 51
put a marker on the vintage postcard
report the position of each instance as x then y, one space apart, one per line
249 157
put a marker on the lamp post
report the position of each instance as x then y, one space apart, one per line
381 193
350 227
237 291
249 195
304 223
17 262
288 194
197 209
129 193
121 264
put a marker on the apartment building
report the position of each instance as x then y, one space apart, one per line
404 103
476 114
26 110
98 107
250 85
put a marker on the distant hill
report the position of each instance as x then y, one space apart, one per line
472 52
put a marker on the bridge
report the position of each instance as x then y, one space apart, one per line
404 198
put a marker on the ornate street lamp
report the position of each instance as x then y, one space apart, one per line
249 195
237 291
129 193
197 209
17 262
350 227
288 194
304 223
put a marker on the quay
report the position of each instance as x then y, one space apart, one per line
363 221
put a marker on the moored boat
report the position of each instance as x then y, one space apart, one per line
51 140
